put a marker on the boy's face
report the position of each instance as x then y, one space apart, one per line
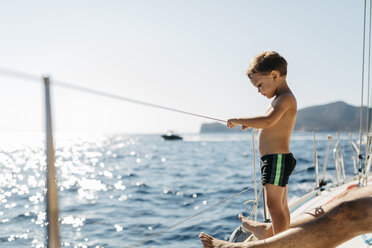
265 83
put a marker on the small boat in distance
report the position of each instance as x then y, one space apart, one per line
171 136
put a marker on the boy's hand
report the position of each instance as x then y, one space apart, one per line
232 123
235 122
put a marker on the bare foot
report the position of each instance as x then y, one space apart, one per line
210 242
206 240
260 230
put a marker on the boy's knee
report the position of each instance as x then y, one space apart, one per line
274 206
270 204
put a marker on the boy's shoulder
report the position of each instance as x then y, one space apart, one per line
285 99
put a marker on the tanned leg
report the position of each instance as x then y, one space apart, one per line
264 230
343 222
277 202
312 229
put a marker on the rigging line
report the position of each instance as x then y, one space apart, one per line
31 77
100 93
20 75
254 173
361 102
304 169
186 219
368 75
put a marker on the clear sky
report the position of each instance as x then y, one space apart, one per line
190 55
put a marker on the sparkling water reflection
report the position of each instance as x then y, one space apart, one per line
115 190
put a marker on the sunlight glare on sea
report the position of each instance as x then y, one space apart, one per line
115 190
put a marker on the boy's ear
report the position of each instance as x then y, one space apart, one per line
275 74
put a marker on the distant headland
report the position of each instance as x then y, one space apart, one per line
333 117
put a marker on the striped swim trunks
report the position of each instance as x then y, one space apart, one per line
276 168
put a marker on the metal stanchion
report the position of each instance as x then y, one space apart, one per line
51 194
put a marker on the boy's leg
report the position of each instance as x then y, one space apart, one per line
264 230
285 205
275 195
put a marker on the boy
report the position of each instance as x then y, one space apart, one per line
268 72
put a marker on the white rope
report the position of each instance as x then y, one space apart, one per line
341 158
367 168
354 148
255 205
329 137
336 159
368 77
255 178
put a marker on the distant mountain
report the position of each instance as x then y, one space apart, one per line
216 127
337 116
332 117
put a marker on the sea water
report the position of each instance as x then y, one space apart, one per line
116 190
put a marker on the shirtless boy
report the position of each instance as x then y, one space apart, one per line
268 72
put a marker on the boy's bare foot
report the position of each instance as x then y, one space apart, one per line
260 230
210 242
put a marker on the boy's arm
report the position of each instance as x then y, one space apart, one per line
281 106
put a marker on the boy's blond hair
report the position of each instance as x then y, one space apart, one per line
266 62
